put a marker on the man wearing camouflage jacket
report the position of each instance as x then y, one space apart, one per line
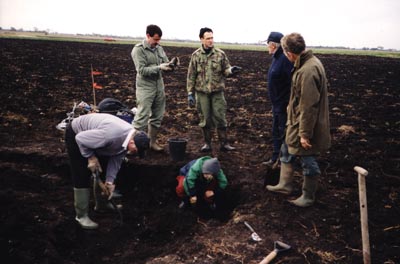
208 69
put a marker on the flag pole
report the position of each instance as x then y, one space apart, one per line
94 92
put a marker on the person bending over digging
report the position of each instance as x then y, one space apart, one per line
201 183
89 138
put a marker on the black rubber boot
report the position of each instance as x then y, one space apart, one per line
207 139
223 139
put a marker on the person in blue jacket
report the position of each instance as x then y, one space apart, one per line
279 81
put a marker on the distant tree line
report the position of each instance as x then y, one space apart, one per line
46 32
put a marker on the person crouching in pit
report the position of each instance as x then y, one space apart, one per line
201 182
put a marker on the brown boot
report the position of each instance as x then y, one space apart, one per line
153 132
223 139
207 139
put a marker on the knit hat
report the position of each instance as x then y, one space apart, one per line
275 37
211 166
142 143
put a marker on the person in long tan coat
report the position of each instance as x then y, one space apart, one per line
307 127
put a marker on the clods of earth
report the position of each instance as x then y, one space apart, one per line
41 80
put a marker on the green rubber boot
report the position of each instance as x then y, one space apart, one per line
153 132
309 188
285 180
81 203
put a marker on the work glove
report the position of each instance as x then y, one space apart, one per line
109 190
193 199
191 100
235 70
166 67
94 165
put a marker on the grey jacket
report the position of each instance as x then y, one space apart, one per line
102 135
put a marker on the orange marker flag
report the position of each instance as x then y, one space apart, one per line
96 73
96 86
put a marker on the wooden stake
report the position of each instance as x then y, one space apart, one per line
362 173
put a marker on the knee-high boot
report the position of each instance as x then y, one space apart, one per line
285 180
207 140
223 139
153 132
309 188
81 203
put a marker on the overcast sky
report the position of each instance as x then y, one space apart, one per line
347 23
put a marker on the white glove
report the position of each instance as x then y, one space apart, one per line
165 66
94 164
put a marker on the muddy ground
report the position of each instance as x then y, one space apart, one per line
40 81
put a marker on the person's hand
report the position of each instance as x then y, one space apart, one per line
305 143
209 194
166 66
193 199
94 164
109 190
174 62
235 69
191 100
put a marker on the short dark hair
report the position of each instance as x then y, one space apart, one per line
204 30
153 29
293 43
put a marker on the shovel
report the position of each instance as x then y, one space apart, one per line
254 235
96 176
278 248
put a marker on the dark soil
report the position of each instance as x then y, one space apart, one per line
40 81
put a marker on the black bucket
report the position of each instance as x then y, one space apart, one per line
177 148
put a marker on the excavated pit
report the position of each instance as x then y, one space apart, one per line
151 218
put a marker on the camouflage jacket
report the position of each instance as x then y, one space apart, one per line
207 71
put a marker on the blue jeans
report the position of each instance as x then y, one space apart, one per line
308 163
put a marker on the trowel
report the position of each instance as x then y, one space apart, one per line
254 235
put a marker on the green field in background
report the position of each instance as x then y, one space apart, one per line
192 44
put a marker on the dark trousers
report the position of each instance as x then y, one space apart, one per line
81 175
278 129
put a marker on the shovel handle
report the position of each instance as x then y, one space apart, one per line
269 257
362 173
249 226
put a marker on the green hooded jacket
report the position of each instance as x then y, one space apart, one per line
196 173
